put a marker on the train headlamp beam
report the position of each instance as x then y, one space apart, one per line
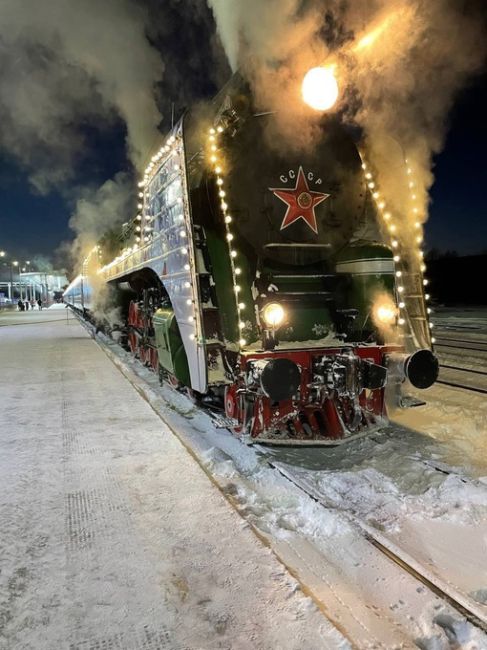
273 314
320 88
385 314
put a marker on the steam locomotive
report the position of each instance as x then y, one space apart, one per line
257 276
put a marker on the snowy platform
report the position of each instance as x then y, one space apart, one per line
111 535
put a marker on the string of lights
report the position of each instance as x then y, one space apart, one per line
170 156
216 160
398 243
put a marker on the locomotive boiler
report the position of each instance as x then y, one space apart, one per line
257 276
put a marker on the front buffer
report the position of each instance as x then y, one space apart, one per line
318 396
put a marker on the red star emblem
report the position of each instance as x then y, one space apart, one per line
300 201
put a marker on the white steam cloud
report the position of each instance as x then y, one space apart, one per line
97 211
273 43
69 67
69 63
266 31
399 64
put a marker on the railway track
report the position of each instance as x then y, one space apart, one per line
450 374
457 376
469 370
447 592
465 344
457 601
453 384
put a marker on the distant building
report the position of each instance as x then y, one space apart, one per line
31 285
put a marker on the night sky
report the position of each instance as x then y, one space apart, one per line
32 223
458 211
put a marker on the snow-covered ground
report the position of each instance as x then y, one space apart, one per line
390 482
455 417
112 537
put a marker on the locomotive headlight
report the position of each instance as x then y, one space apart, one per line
273 314
384 311
385 315
320 88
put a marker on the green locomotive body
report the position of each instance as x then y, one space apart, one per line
257 273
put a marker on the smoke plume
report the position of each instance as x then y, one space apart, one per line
67 64
399 65
98 211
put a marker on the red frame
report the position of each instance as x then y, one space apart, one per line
146 353
327 420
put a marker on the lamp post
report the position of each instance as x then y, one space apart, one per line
28 281
9 284
15 264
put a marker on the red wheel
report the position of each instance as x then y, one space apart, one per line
133 343
173 381
132 320
144 354
154 359
232 407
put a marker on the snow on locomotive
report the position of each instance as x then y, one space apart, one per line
259 279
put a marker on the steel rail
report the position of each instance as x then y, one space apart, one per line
483 391
461 347
396 555
455 340
373 537
471 370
